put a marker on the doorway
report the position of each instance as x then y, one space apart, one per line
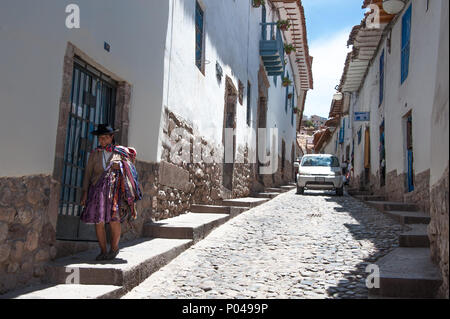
382 156
409 154
92 102
367 156
229 122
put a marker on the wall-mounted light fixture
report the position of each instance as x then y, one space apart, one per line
393 6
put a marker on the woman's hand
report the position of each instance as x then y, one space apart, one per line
84 199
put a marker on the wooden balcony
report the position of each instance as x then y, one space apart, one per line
271 49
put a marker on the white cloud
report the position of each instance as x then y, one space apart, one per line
329 60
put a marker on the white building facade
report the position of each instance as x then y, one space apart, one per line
172 76
395 80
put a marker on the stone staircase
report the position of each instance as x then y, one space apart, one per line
272 192
407 271
79 276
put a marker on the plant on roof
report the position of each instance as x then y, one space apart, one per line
283 25
258 3
286 81
288 48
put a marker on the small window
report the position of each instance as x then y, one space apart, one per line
199 37
406 43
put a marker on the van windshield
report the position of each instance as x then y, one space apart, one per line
320 161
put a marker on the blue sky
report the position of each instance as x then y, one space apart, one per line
328 24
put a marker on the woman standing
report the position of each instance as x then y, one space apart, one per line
110 189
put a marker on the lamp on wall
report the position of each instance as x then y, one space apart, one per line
393 6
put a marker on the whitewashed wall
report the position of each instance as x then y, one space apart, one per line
415 94
440 116
33 40
232 35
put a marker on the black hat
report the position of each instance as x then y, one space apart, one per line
104 129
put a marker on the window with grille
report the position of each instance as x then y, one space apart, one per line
93 102
199 37
406 43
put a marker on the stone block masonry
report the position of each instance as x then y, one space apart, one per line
395 186
195 178
438 228
27 236
421 193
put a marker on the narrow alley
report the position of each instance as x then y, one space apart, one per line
315 245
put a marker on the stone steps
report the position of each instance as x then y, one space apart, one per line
417 236
248 202
193 226
274 190
408 273
66 292
136 261
393 206
216 209
408 217
288 187
267 195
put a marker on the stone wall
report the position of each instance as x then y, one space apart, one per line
279 177
27 233
201 172
27 236
395 186
438 228
242 174
421 194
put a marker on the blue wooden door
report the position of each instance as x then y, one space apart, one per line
93 100
410 154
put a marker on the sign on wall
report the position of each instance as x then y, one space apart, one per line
362 116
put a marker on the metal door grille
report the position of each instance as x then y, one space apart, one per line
93 99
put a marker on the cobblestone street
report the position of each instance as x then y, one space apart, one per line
315 245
